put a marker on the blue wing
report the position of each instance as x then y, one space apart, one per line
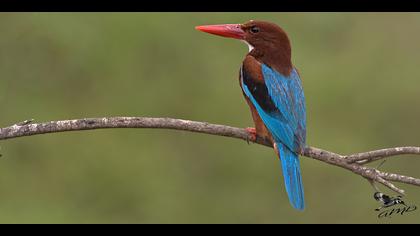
280 103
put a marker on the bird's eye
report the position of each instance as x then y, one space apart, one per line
254 29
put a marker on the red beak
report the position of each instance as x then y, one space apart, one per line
228 30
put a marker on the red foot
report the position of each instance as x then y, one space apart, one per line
253 133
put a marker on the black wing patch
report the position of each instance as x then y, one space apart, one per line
260 92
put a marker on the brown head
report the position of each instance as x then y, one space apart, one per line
267 42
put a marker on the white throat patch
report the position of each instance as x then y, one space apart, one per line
250 47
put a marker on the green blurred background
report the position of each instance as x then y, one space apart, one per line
361 77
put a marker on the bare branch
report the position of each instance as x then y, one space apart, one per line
350 162
367 157
338 160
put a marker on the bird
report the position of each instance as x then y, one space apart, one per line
272 88
387 201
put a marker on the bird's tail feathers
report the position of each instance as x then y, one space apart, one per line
292 176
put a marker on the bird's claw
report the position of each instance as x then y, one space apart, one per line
252 134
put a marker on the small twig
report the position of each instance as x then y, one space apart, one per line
364 171
352 162
367 157
374 185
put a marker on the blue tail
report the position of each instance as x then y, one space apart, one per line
292 177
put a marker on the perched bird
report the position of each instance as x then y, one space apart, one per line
387 201
272 88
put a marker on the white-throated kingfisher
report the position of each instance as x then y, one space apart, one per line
272 88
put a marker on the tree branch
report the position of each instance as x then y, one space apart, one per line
353 162
367 157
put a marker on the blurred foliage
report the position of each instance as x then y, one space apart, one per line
361 77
